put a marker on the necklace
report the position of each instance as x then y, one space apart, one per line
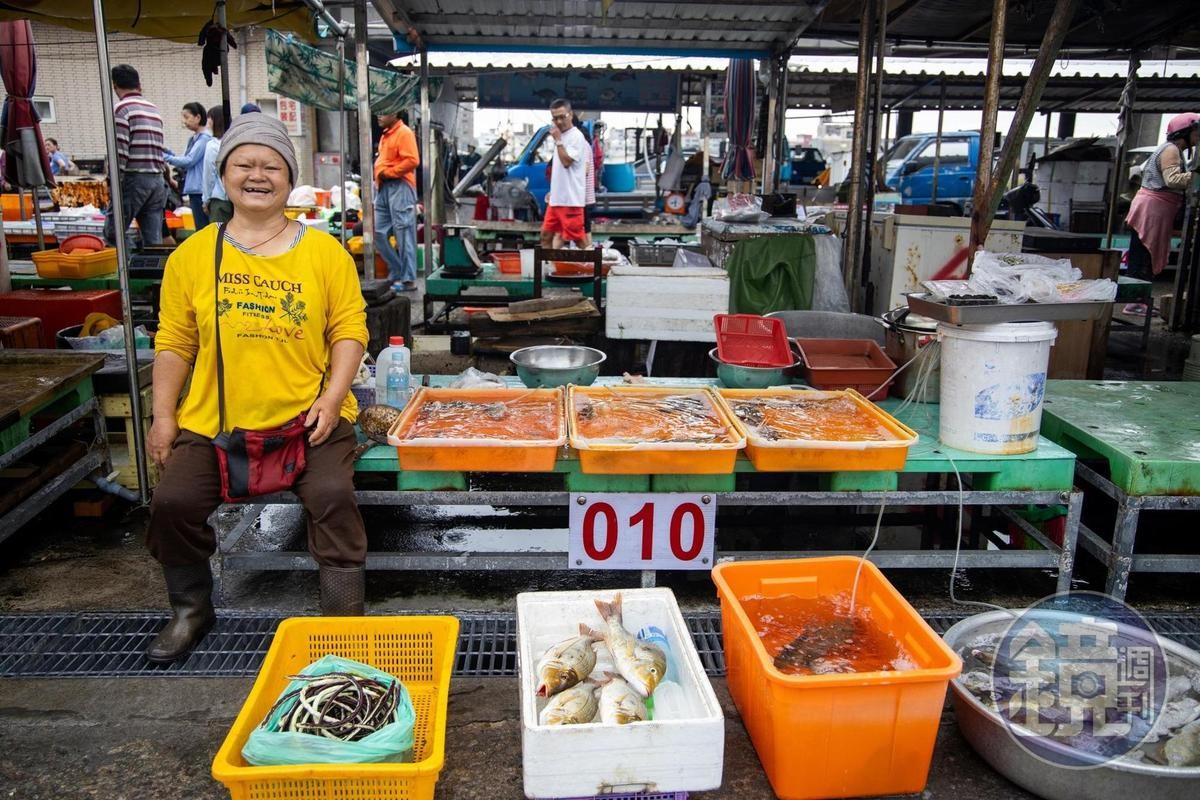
269 238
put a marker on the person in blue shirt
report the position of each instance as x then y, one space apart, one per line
192 161
216 202
59 163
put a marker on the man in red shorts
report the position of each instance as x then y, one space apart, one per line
565 201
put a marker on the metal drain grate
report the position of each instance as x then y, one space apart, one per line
110 644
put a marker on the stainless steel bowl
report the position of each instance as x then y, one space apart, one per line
735 376
984 729
557 365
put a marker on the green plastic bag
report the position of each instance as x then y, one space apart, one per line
393 743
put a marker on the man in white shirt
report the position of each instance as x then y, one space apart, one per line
568 180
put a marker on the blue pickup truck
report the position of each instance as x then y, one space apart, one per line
908 168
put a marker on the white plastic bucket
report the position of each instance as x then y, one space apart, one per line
527 262
993 382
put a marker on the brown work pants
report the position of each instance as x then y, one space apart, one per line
189 491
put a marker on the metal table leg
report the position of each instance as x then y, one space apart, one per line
1066 556
1124 535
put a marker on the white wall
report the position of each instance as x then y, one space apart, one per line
171 76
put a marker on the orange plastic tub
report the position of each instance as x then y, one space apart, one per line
508 261
857 364
89 264
841 734
480 430
627 430
842 431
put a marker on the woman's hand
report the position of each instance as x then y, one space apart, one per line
323 418
163 432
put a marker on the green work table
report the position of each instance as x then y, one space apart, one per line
449 290
1146 437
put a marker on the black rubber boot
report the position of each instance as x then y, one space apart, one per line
342 590
189 590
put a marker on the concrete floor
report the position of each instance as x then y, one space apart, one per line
153 738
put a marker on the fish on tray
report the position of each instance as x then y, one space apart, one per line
640 663
574 706
565 664
619 703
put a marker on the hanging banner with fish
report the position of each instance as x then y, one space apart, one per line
587 90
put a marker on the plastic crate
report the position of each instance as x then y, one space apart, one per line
418 650
752 341
628 456
823 455
56 264
858 364
69 226
470 453
840 734
658 254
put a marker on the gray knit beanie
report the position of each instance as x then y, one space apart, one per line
258 128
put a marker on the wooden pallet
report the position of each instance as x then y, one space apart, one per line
118 406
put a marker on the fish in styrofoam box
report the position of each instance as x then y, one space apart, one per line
680 750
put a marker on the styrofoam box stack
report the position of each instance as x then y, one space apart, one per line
683 752
667 303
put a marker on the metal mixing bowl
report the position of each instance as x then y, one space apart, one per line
735 376
557 365
1115 780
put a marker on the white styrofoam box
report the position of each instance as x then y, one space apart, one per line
662 755
1088 193
1092 172
665 303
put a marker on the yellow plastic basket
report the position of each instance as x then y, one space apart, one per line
417 650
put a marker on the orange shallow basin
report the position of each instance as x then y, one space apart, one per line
639 430
480 430
841 734
838 431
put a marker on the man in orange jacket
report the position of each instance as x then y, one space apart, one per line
396 199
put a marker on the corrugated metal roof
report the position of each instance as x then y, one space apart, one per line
1100 24
646 26
834 89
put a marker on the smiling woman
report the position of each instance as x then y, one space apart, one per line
268 319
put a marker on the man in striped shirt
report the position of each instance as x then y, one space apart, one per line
139 157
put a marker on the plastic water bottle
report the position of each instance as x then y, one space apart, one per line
394 354
655 635
399 383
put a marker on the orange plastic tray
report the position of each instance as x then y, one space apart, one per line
842 734
53 264
493 449
823 455
648 457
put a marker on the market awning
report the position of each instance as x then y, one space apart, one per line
176 20
834 88
309 75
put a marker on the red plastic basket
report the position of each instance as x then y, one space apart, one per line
752 341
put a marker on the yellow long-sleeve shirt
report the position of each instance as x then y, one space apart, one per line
280 316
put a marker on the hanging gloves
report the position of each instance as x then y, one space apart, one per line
210 39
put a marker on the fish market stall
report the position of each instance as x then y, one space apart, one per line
596 462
